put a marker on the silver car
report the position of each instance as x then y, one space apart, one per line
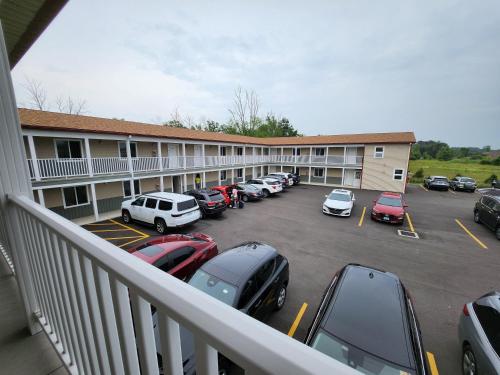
479 335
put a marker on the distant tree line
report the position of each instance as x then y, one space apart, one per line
442 151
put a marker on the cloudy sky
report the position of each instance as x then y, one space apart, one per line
329 66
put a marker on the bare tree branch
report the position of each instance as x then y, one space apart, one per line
71 106
245 111
38 95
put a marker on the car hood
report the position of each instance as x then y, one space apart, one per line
340 205
389 210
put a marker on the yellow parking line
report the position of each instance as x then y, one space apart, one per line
423 187
128 243
409 222
362 217
432 363
109 230
470 234
297 320
121 238
130 228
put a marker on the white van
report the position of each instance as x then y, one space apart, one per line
163 210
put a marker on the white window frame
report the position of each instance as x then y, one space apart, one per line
131 143
136 192
402 174
316 149
223 151
238 148
78 204
319 169
380 153
225 175
68 140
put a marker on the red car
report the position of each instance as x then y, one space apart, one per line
389 208
225 190
178 254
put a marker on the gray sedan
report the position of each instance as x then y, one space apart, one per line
479 335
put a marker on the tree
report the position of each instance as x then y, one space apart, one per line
70 106
37 93
245 111
445 153
176 120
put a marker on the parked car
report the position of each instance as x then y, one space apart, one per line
163 210
225 191
211 202
296 178
479 335
251 277
389 208
246 192
339 202
180 255
367 321
436 182
266 185
287 176
463 183
282 179
487 211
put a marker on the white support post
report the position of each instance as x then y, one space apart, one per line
345 149
185 182
172 183
132 188
34 159
295 155
203 154
326 154
184 154
219 156
129 158
261 155
309 174
219 182
14 180
281 168
343 174
282 156
203 180
232 176
262 170
244 154
88 157
41 198
162 187
326 172
310 155
233 159
160 159
94 201
244 174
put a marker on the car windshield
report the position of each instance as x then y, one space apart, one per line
339 197
354 357
215 196
386 201
441 179
151 251
186 205
213 286
273 182
465 179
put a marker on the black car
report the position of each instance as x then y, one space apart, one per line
247 192
251 277
463 183
296 178
436 182
211 202
487 211
366 320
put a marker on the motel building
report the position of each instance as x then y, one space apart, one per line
82 166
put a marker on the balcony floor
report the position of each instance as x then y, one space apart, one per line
21 353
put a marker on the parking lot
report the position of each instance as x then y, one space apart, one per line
453 262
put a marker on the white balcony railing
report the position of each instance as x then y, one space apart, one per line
64 168
93 300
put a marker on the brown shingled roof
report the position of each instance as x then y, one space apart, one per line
35 119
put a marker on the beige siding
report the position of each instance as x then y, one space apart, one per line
109 190
53 197
103 148
287 151
44 147
304 151
167 183
212 176
189 150
150 184
360 151
334 172
212 151
146 149
336 151
378 173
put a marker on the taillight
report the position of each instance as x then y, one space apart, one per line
211 204
465 310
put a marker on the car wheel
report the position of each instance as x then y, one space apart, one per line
281 298
469 366
160 226
265 192
244 198
126 217
476 216
497 233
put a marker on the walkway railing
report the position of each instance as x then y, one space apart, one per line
65 168
94 303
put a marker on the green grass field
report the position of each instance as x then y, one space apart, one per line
450 169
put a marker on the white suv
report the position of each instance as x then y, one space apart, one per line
283 174
339 202
163 210
266 185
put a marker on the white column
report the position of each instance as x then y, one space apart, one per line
219 182
185 182
345 149
34 159
233 159
244 154
94 201
309 174
15 180
162 187
172 183
326 155
203 180
281 167
343 174
203 154
295 155
41 198
89 158
184 154
326 172
261 155
232 176
244 174
282 155
219 156
160 159
129 158
310 155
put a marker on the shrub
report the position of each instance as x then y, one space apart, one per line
491 178
419 173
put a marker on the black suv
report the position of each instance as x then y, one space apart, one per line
211 202
367 321
487 211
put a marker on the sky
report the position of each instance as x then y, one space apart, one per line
330 67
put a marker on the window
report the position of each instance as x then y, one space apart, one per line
123 149
398 174
296 151
239 151
151 203
186 205
379 152
67 149
247 293
319 172
165 206
239 173
180 255
163 263
488 316
223 175
319 151
139 201
126 188
223 151
264 273
75 196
